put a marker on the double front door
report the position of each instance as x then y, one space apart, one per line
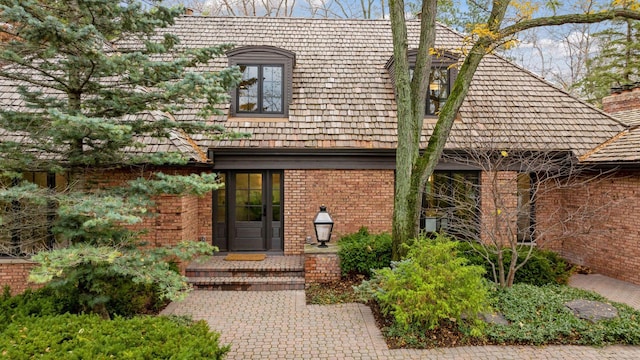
247 212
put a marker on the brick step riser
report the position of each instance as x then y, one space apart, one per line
243 273
248 287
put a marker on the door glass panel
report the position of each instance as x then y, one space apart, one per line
221 202
249 197
275 196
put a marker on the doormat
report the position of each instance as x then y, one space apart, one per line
245 257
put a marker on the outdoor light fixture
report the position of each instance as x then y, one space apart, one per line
323 225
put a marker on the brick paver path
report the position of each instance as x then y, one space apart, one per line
279 325
613 289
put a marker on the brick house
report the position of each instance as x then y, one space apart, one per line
318 101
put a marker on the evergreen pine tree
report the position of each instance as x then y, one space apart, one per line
96 78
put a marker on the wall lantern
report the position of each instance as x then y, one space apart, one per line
323 225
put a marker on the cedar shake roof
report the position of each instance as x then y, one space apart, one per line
629 117
623 147
343 95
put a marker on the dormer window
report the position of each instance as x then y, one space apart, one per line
261 90
443 74
265 89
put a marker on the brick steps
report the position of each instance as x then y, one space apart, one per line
246 283
274 273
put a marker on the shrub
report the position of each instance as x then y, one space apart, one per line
90 337
543 267
126 299
31 303
431 285
361 252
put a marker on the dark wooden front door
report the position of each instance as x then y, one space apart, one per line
248 212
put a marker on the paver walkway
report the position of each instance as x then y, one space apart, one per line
612 289
279 325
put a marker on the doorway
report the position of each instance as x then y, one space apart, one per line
248 211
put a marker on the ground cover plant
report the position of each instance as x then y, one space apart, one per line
537 315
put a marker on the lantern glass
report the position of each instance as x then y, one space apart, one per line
323 231
323 225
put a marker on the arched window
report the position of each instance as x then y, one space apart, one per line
265 89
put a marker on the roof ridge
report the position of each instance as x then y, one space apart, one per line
282 18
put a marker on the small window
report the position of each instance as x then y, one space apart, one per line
261 90
266 86
439 88
26 225
443 74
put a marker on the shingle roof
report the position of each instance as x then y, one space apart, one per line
624 147
343 95
630 117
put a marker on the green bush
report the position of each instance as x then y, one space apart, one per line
90 337
361 252
125 299
431 285
537 315
543 267
32 303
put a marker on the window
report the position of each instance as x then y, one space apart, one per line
439 87
266 86
443 74
26 225
451 203
525 209
261 90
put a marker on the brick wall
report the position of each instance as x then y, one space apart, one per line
599 227
499 206
15 273
354 198
622 100
321 268
177 218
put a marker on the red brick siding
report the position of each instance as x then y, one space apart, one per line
177 218
498 213
321 268
607 241
354 198
15 274
205 217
